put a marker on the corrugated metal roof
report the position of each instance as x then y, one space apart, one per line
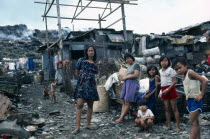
116 37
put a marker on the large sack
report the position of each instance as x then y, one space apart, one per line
140 60
122 72
103 104
150 60
151 52
157 58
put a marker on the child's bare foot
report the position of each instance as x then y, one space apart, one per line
177 130
167 128
75 131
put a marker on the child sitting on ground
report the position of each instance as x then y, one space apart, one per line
52 91
45 92
145 116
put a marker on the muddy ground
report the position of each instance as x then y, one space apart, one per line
60 120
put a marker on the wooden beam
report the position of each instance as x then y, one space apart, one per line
81 10
49 8
75 11
74 18
114 23
71 5
117 2
94 43
111 12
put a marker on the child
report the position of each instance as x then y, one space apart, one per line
145 116
52 91
153 75
193 94
169 94
45 92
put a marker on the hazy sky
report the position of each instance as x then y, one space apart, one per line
148 16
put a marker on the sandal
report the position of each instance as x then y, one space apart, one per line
75 132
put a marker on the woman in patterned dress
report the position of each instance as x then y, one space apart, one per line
86 90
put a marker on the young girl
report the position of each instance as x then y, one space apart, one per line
153 75
169 94
193 94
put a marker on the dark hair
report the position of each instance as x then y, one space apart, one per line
129 55
86 54
163 57
152 67
180 60
142 102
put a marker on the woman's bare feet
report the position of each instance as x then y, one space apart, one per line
75 131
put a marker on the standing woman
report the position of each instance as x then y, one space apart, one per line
86 90
130 86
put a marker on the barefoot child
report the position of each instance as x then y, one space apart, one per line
169 94
145 116
52 91
193 94
153 75
45 92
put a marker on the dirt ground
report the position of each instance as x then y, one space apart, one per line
60 120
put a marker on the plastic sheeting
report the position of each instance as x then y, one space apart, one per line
185 40
110 81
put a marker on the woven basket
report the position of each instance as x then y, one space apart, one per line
118 89
103 104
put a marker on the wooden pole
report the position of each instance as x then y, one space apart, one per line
47 40
59 30
99 18
124 23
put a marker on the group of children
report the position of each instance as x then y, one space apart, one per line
166 80
46 93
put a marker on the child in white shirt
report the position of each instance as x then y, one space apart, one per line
145 116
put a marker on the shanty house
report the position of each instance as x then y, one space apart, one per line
108 43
